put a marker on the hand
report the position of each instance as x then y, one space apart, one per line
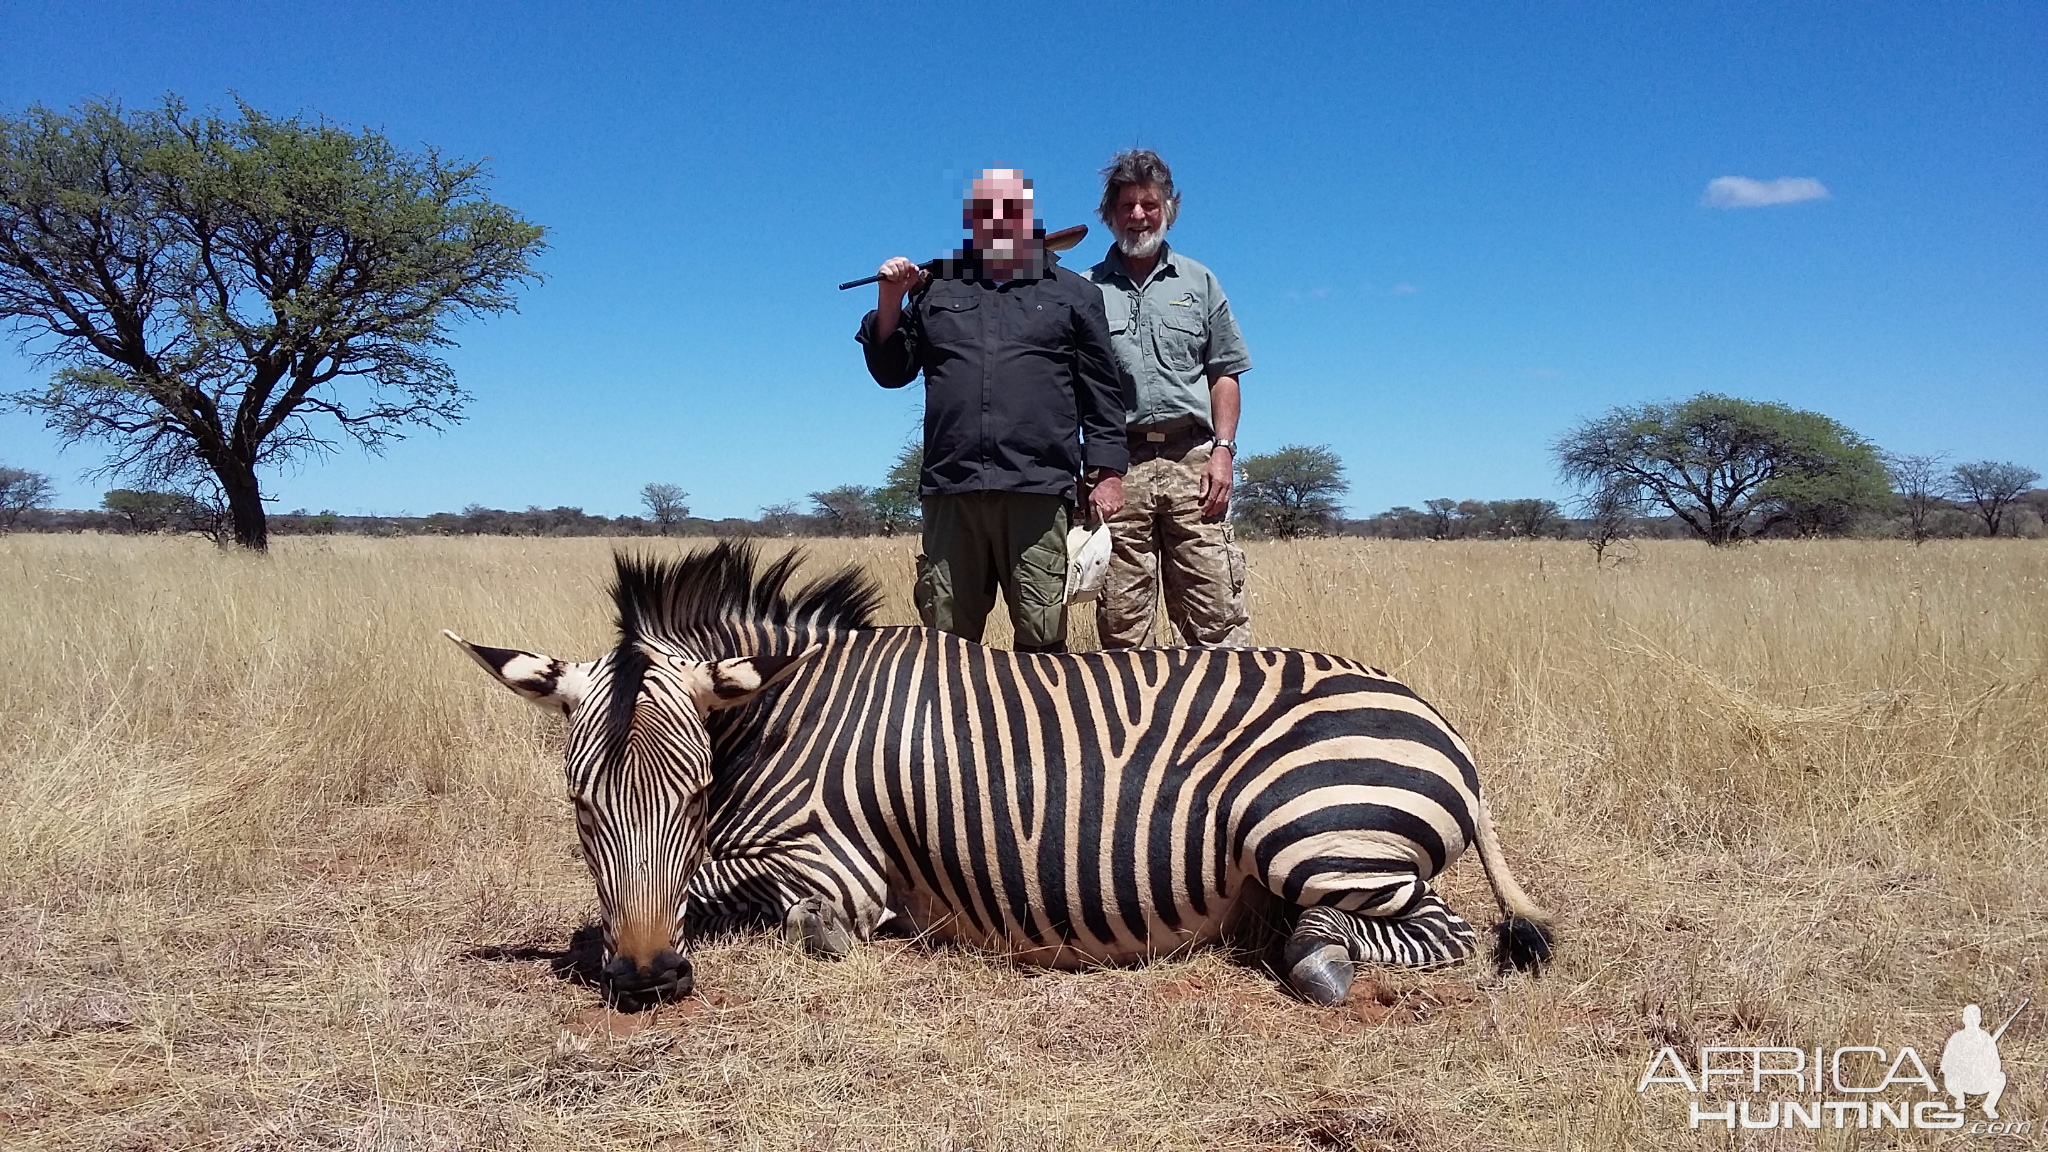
900 277
1217 477
1107 497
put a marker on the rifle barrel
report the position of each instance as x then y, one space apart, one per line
877 277
1058 241
2009 1019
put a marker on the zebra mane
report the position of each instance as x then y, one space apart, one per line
714 590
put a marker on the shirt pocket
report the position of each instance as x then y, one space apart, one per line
952 321
1043 325
1181 339
1117 307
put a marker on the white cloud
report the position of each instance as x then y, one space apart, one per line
1743 192
1402 289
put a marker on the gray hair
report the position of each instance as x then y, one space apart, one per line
1137 166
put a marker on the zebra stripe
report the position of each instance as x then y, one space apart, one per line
1064 809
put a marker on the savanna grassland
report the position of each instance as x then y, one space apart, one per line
280 869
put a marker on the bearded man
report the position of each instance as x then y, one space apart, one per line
1180 355
1017 368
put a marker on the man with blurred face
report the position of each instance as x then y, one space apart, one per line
1017 366
1180 354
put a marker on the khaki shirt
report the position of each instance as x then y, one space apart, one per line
1173 335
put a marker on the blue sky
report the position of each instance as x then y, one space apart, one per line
1448 231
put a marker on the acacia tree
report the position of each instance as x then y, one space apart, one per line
847 510
896 505
1440 511
1610 513
1728 468
221 295
1529 519
1919 482
1292 492
668 504
22 491
1991 486
154 511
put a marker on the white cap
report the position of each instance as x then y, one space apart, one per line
1087 563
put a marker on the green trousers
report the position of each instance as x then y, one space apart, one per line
976 542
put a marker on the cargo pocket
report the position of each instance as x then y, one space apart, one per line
1039 591
924 591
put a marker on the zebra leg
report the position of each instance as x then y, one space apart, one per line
1315 963
759 892
817 925
1327 943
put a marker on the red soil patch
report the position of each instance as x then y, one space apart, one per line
1375 1004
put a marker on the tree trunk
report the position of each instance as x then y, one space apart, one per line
245 506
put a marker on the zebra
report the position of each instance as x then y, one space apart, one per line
749 755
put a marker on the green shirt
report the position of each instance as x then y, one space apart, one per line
1173 335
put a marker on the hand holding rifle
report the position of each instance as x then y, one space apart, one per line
896 281
898 277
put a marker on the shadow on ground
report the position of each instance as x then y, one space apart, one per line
582 962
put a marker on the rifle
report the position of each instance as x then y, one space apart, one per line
1058 241
2009 1019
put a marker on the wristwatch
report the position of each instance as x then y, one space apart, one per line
1220 442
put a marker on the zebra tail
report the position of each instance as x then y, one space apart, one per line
1523 937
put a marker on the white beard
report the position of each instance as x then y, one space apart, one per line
1142 246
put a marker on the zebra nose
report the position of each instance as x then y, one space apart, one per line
633 987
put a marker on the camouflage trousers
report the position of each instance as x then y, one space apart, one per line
978 542
1161 544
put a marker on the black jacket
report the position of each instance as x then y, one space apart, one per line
1011 374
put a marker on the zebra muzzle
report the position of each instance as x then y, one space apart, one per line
633 987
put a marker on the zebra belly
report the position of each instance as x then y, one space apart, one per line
1241 919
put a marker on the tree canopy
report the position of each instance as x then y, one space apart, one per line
668 504
22 491
1917 477
896 505
1728 468
1291 492
220 294
154 511
1990 487
848 509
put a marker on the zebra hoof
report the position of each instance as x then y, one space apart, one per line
817 928
1318 971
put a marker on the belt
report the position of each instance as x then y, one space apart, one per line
1178 428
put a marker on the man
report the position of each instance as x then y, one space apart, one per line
1016 361
1181 354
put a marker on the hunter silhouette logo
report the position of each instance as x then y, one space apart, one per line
1844 1086
1970 1064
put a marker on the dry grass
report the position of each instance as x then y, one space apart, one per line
253 813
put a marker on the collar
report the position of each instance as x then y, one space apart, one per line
1165 266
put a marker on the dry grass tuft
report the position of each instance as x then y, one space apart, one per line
279 869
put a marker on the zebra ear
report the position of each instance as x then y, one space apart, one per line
734 682
557 685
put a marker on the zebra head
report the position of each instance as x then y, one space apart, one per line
639 764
